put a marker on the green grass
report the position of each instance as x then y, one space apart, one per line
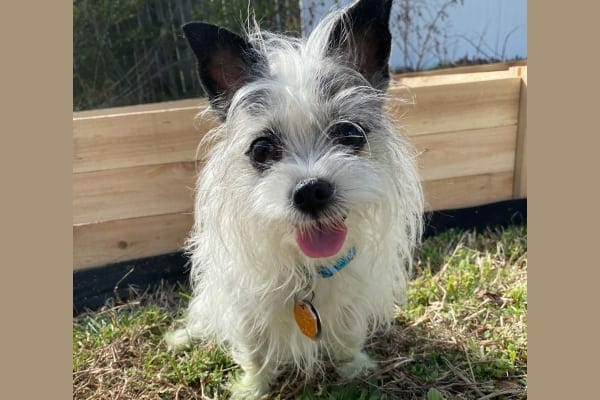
462 335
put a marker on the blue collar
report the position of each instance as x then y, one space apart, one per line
327 272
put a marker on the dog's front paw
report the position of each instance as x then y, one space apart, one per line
360 364
178 339
249 387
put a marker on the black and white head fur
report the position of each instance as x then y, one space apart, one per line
305 147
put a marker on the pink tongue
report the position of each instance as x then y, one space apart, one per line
321 242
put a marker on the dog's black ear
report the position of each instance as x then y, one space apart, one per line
362 36
226 62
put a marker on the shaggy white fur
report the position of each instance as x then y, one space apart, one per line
247 269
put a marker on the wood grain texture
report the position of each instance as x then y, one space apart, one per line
128 239
133 192
459 107
145 138
156 136
467 191
167 188
472 152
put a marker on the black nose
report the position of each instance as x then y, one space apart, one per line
312 195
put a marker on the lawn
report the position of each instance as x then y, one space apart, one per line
462 335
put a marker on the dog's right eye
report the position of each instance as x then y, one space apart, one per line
264 151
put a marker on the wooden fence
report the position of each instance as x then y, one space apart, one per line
134 168
134 51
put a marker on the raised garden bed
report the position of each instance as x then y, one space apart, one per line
134 168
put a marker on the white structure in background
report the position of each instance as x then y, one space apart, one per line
428 33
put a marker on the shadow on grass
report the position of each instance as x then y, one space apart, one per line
411 366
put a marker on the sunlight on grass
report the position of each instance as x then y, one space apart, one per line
473 299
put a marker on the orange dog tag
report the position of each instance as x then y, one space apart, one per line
307 318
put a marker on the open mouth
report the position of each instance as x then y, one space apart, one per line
321 239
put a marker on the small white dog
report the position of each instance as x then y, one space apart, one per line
309 206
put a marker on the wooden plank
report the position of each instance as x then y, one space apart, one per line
167 188
520 184
198 102
451 79
121 240
127 140
128 239
133 192
472 152
470 69
459 107
467 191
169 135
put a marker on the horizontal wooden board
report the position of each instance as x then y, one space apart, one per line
450 79
467 69
467 191
133 192
472 152
459 107
161 106
442 104
121 240
167 188
145 138
128 239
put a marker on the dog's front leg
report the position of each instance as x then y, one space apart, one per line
351 359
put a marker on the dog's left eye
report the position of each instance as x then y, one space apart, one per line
264 151
348 134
